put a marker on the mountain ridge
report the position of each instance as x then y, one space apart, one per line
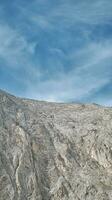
54 151
45 101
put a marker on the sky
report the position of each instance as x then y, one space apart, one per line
57 50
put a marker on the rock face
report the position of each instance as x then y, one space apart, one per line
52 151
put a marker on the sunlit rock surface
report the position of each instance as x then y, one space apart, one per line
52 151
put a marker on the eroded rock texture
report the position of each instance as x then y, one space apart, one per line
52 151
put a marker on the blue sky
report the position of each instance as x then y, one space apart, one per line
57 50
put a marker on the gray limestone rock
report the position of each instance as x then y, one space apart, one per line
51 151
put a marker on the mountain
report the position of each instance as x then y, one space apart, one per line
54 151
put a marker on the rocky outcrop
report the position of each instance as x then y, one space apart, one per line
51 151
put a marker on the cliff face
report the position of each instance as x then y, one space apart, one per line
52 151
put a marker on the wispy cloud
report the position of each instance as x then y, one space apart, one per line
61 51
13 47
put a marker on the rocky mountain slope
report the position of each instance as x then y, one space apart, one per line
51 151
